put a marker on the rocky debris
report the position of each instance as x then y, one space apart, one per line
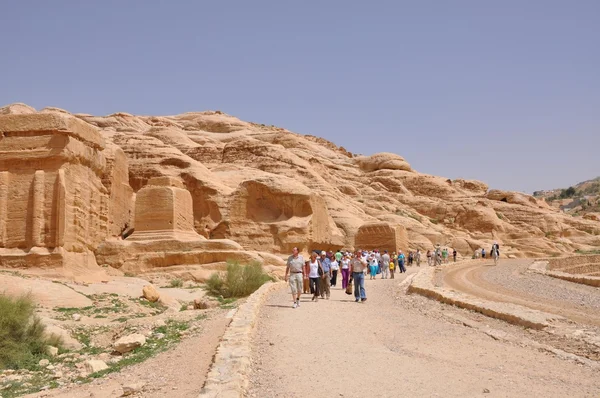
95 365
76 317
200 304
129 343
150 293
43 363
133 388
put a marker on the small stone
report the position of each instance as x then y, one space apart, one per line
76 317
129 343
44 362
486 391
160 323
95 365
50 367
52 351
133 388
159 336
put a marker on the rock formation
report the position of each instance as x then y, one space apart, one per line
54 205
203 187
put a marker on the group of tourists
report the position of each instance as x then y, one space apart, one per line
439 256
319 273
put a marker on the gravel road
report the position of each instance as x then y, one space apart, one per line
396 345
511 282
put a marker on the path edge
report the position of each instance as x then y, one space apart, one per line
229 373
423 284
541 267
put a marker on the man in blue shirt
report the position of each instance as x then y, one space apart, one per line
326 264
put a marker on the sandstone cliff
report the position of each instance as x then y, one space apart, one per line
268 189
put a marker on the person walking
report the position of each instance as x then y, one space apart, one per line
429 257
305 279
326 266
418 258
314 266
401 259
483 253
335 266
357 267
385 265
345 271
373 265
294 268
392 268
454 253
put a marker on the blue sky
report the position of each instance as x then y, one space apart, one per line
507 92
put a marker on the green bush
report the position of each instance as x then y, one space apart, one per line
176 283
22 339
238 280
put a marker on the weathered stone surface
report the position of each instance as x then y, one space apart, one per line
164 209
95 365
212 188
150 293
381 161
129 343
382 236
52 168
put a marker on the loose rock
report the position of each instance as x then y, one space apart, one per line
150 293
129 343
95 365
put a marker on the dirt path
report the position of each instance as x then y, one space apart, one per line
397 347
179 372
511 283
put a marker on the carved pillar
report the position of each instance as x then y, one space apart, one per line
37 222
60 190
4 181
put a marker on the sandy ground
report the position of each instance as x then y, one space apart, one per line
179 372
398 345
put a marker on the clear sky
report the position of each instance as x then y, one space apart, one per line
507 92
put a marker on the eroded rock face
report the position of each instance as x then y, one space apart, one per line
54 204
253 189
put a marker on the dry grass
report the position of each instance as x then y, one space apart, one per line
22 339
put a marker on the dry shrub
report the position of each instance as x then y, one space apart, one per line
22 339
238 281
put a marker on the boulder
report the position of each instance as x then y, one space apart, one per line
129 343
383 161
95 365
43 363
150 293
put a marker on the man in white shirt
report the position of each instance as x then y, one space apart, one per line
294 268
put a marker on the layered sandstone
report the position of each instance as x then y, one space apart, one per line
54 205
248 190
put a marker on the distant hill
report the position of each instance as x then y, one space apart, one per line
580 199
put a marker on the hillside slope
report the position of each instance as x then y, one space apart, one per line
270 189
582 199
